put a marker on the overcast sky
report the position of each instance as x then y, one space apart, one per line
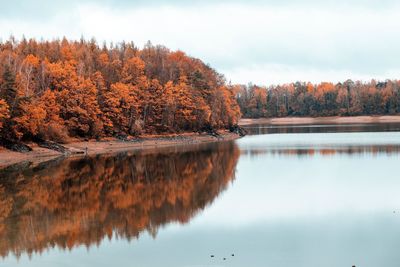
264 42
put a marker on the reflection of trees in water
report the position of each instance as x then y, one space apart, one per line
309 152
321 128
76 202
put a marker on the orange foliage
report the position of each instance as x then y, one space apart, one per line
83 90
32 118
322 89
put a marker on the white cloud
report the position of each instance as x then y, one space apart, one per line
274 74
254 42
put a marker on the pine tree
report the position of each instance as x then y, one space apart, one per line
8 89
4 113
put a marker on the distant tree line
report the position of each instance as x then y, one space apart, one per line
324 99
59 89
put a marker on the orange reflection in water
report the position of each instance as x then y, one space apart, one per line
82 201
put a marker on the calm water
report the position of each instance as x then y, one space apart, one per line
285 196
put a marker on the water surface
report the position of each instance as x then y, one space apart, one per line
293 197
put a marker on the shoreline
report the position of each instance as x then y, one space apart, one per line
109 146
77 148
322 120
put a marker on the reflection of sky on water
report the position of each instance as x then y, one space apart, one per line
367 241
281 210
319 140
275 188
302 144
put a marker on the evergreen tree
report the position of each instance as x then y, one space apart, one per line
8 89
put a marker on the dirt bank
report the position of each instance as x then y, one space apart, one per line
79 148
321 120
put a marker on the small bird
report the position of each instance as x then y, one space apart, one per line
224 259
233 255
212 256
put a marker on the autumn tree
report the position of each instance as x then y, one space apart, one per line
120 109
53 125
151 106
30 120
26 75
80 109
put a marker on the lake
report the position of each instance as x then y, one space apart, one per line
283 196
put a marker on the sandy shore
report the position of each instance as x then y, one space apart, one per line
79 148
321 120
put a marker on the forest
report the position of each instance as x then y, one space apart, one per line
325 99
55 90
58 89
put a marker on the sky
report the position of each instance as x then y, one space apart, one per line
262 42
